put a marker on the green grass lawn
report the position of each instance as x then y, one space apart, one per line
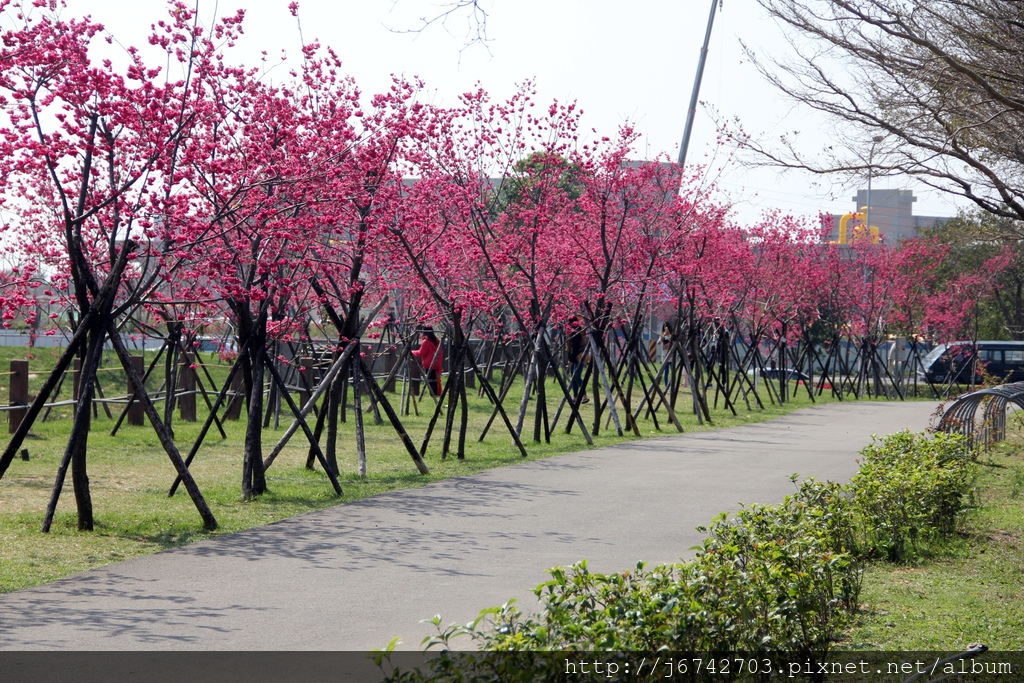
130 474
968 592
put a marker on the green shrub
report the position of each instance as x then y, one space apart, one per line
786 575
640 609
911 489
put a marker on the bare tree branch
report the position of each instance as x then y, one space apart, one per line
933 90
472 12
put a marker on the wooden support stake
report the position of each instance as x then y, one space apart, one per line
306 375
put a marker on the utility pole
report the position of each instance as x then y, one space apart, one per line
696 86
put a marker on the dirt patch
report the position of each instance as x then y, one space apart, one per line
1000 536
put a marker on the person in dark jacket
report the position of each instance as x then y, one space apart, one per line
666 345
576 350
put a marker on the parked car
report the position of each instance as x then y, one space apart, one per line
788 373
954 362
206 344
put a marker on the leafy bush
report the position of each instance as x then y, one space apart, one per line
911 489
640 609
786 575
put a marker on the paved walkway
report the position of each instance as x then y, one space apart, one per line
355 576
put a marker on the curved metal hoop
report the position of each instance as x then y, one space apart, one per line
990 426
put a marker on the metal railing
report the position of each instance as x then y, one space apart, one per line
988 427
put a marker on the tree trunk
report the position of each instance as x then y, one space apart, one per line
333 406
357 413
253 478
77 447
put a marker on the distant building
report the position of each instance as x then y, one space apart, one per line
891 214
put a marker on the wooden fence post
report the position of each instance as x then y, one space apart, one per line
390 356
18 394
234 409
415 375
136 411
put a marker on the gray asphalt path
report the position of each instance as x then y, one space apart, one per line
355 576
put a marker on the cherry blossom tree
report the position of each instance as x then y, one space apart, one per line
630 216
89 164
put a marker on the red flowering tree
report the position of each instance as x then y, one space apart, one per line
519 170
780 289
704 276
443 280
364 154
265 170
88 171
951 312
630 216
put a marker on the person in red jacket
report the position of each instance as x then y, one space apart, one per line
431 357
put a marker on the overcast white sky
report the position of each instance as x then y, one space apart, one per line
620 61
